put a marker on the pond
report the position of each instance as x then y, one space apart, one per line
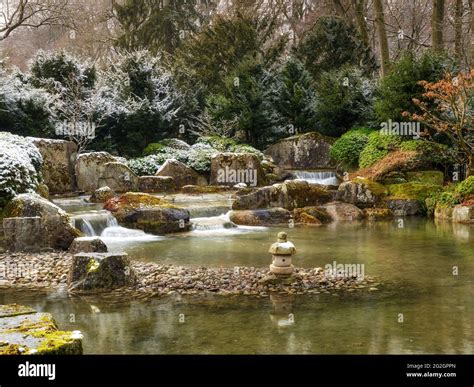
424 302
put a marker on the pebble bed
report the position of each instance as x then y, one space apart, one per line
50 271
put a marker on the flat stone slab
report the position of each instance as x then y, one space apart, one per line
23 331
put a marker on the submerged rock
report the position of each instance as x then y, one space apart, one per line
54 229
148 213
304 151
289 195
100 271
181 173
23 331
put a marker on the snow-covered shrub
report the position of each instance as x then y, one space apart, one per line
144 166
20 164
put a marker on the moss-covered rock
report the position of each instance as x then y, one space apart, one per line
361 192
23 331
96 271
149 213
425 177
418 191
262 217
288 195
311 215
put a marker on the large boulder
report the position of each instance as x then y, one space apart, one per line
305 151
21 234
55 230
59 157
23 331
263 217
148 213
99 169
233 168
288 195
339 211
463 214
181 173
361 192
100 271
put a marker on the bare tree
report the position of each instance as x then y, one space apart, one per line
31 13
437 24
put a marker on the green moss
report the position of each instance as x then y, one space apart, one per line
92 265
426 177
376 188
378 146
57 343
416 191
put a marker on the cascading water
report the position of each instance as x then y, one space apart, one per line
317 177
212 223
93 223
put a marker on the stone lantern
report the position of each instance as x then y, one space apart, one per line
282 252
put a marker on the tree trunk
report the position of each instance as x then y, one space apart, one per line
458 31
338 8
437 23
382 37
471 48
359 6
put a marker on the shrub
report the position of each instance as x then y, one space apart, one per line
144 166
20 164
346 150
164 145
466 187
378 146
431 152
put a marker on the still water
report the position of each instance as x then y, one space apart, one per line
420 307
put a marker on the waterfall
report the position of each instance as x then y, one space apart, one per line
94 223
317 177
87 228
220 222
